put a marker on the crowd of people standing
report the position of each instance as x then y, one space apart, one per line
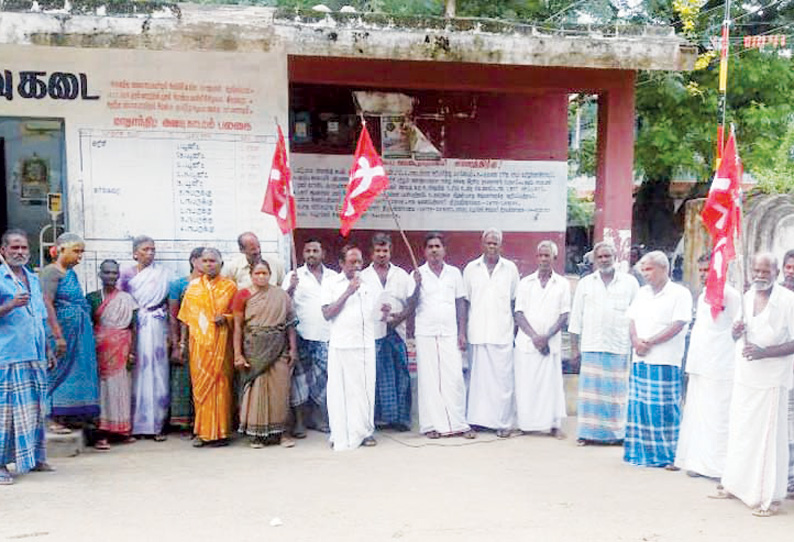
244 347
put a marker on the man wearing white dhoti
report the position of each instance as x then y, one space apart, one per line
440 337
543 301
703 440
788 282
756 466
490 284
348 305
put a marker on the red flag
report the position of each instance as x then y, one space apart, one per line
721 216
280 197
367 180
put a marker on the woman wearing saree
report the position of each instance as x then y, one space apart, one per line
114 326
148 282
73 383
265 348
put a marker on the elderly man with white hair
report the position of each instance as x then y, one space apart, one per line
490 284
543 301
658 319
600 339
757 458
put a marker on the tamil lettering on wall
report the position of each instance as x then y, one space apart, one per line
453 194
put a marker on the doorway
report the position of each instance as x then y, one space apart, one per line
32 165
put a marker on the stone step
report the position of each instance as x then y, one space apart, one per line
65 445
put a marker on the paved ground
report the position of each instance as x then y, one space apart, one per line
525 488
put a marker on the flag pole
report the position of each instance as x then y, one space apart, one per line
414 261
723 82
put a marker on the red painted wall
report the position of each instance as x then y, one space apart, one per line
506 126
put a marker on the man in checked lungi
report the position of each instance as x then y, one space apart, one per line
310 374
23 361
600 338
391 287
658 319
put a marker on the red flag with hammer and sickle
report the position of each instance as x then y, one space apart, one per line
722 216
279 197
367 180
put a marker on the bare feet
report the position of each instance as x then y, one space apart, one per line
43 467
433 435
558 434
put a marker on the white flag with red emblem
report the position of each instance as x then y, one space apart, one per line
279 197
367 180
722 218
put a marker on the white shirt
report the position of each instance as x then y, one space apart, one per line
239 270
771 327
307 300
490 297
712 350
435 314
599 313
353 326
651 313
398 288
542 307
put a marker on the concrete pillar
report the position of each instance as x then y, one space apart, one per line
615 166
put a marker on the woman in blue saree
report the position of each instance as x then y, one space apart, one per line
73 383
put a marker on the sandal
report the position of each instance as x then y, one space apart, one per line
257 444
469 435
160 437
503 433
129 440
286 442
433 435
369 442
671 468
5 478
102 445
763 512
59 429
720 494
198 443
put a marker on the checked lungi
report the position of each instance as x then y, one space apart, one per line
23 391
392 381
312 380
603 394
654 415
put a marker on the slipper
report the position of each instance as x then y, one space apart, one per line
286 442
129 440
721 494
433 435
102 446
369 442
503 433
671 468
558 434
198 443
59 429
43 467
5 478
257 444
470 434
581 443
159 437
763 512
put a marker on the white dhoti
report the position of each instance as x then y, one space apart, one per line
703 439
351 396
491 392
442 393
540 392
757 461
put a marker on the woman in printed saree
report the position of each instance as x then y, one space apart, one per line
265 348
181 414
73 383
114 326
148 282
206 314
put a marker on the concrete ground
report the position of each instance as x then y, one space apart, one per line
408 488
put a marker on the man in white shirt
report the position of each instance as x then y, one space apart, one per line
756 466
348 305
440 338
788 282
310 374
703 441
490 284
659 316
391 287
601 344
239 269
543 301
